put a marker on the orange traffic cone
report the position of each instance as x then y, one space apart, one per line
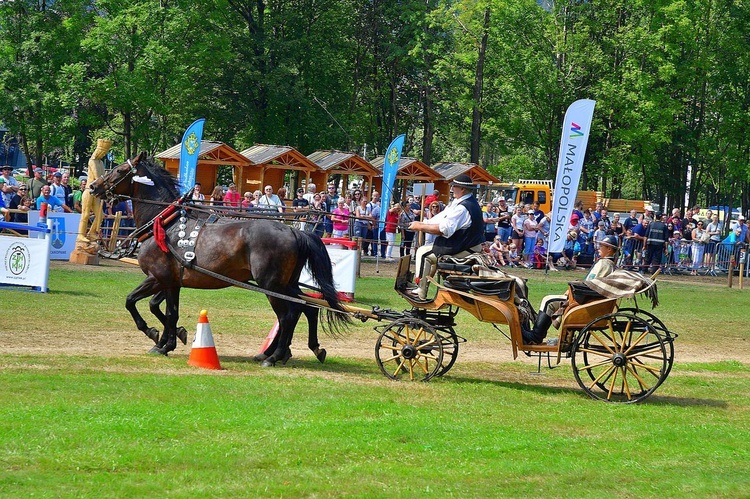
203 353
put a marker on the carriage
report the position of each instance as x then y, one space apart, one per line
618 353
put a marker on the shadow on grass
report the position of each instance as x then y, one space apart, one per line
332 365
653 399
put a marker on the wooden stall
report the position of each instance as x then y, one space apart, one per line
343 168
270 164
212 155
449 171
410 171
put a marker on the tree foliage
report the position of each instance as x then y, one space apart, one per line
670 78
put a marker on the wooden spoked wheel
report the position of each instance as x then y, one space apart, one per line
450 351
655 322
620 358
410 349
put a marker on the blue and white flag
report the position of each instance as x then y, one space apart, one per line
191 146
575 137
390 168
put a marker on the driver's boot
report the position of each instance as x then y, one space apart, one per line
539 331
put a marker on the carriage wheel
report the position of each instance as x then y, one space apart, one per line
450 351
410 348
654 321
623 360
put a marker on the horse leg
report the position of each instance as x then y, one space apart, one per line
312 333
154 305
168 340
145 289
288 315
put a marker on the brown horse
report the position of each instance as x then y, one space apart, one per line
265 253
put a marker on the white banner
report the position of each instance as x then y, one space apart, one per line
25 261
64 232
575 137
344 263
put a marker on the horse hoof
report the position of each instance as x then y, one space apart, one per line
320 353
286 357
268 363
182 335
157 351
260 357
153 334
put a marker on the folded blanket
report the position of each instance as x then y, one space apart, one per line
625 284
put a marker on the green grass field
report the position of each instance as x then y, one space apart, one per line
78 420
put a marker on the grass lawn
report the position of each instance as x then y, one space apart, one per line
106 422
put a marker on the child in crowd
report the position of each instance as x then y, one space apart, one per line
540 254
514 260
599 234
497 249
674 246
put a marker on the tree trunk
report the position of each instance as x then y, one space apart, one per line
476 121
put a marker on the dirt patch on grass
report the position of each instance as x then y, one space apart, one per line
72 341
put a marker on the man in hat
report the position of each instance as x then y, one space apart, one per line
459 229
553 304
36 184
10 184
58 190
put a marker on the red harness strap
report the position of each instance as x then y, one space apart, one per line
159 234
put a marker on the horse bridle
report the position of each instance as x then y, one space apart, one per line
110 186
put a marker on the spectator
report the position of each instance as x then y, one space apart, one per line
65 182
743 227
604 217
616 227
732 244
10 185
529 237
374 232
270 201
503 220
407 236
356 199
57 190
497 250
316 215
599 234
714 229
538 213
433 210
52 202
232 197
490 219
631 221
247 200
217 196
391 225
78 195
517 225
311 190
514 259
543 227
36 184
698 246
362 224
340 219
198 197
331 200
656 243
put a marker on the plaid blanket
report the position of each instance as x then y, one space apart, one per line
625 284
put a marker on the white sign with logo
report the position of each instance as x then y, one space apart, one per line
344 263
25 261
64 232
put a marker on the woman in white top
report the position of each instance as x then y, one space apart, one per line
516 223
698 247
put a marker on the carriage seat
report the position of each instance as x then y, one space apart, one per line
491 287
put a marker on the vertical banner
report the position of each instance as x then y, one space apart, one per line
191 146
390 168
575 137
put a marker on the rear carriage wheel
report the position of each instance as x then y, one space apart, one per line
621 358
655 322
450 351
411 349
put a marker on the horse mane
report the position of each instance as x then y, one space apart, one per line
165 183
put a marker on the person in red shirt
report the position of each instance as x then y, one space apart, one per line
232 197
391 225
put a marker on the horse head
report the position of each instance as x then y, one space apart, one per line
119 182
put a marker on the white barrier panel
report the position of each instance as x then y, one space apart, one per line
344 263
64 232
26 260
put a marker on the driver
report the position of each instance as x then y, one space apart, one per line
551 304
459 227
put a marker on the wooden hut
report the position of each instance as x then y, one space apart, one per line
410 171
449 171
211 156
270 165
342 168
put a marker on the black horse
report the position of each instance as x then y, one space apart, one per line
264 251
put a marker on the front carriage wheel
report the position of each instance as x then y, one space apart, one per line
620 358
410 349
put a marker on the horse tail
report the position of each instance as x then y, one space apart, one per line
319 264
